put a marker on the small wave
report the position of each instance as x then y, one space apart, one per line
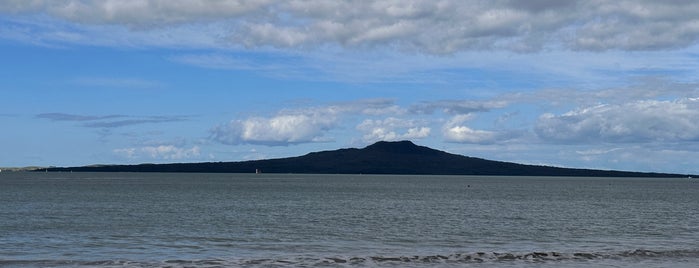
455 258
480 257
66 263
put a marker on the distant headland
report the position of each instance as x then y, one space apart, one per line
400 157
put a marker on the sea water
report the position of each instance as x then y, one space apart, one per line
279 220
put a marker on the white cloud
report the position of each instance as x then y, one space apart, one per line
433 27
302 125
392 129
638 121
277 130
160 152
466 135
455 131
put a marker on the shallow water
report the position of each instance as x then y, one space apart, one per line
263 220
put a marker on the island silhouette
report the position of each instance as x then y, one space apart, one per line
384 157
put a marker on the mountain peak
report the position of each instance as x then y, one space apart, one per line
381 144
384 144
402 147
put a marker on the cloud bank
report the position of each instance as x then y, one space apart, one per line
639 121
426 26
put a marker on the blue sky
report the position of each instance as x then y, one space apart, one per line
590 84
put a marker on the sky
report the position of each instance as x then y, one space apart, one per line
585 84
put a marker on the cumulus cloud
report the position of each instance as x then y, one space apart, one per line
160 152
455 131
312 124
392 129
638 121
433 27
295 126
277 130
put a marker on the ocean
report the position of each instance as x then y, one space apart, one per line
287 220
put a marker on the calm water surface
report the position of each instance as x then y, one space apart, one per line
268 220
